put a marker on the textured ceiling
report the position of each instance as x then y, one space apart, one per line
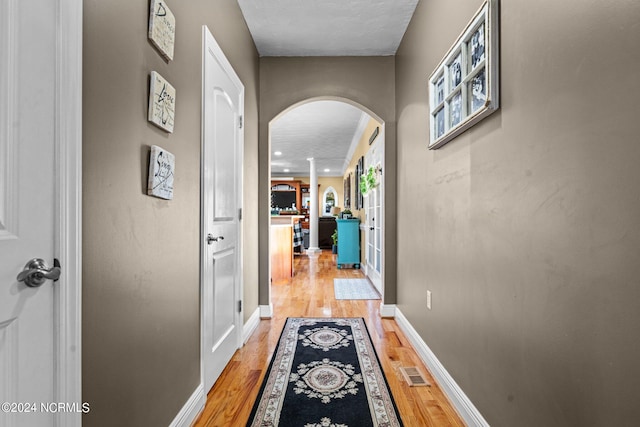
327 27
325 130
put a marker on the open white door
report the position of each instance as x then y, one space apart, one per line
374 217
223 103
40 86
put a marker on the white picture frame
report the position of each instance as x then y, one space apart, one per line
464 87
162 167
162 102
162 28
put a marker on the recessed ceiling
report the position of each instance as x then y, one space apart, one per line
328 131
327 27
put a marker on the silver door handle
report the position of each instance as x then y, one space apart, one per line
36 272
211 239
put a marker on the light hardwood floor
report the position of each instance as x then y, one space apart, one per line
310 294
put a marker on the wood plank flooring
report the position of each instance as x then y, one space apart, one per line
310 294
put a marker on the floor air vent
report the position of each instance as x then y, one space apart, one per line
413 376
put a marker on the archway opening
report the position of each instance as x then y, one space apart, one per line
339 135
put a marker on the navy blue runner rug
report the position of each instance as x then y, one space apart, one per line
325 373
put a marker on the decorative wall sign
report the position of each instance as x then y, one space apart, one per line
162 166
162 28
374 135
463 89
162 102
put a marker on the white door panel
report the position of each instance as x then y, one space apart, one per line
40 142
374 217
221 199
27 215
26 314
225 155
223 302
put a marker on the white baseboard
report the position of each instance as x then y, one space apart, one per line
266 311
191 409
387 310
251 325
196 402
467 411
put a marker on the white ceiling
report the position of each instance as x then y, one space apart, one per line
325 130
328 131
327 27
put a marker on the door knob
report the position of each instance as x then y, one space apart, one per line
36 272
372 228
211 239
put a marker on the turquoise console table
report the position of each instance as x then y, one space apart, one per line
348 242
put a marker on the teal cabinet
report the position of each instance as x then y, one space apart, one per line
348 242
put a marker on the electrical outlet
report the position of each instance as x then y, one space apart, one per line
429 300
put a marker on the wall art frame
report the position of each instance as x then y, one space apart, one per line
162 102
464 87
162 168
347 191
162 28
374 135
359 199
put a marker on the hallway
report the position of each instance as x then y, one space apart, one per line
523 230
310 294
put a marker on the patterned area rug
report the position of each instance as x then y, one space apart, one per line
325 373
354 289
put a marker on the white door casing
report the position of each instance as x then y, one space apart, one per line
222 151
40 210
374 217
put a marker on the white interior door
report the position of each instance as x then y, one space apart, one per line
374 219
33 192
374 238
222 195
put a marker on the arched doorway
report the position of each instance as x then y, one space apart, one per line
345 177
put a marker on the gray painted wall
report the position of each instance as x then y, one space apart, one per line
526 227
368 82
141 297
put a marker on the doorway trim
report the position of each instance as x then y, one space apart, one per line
68 226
